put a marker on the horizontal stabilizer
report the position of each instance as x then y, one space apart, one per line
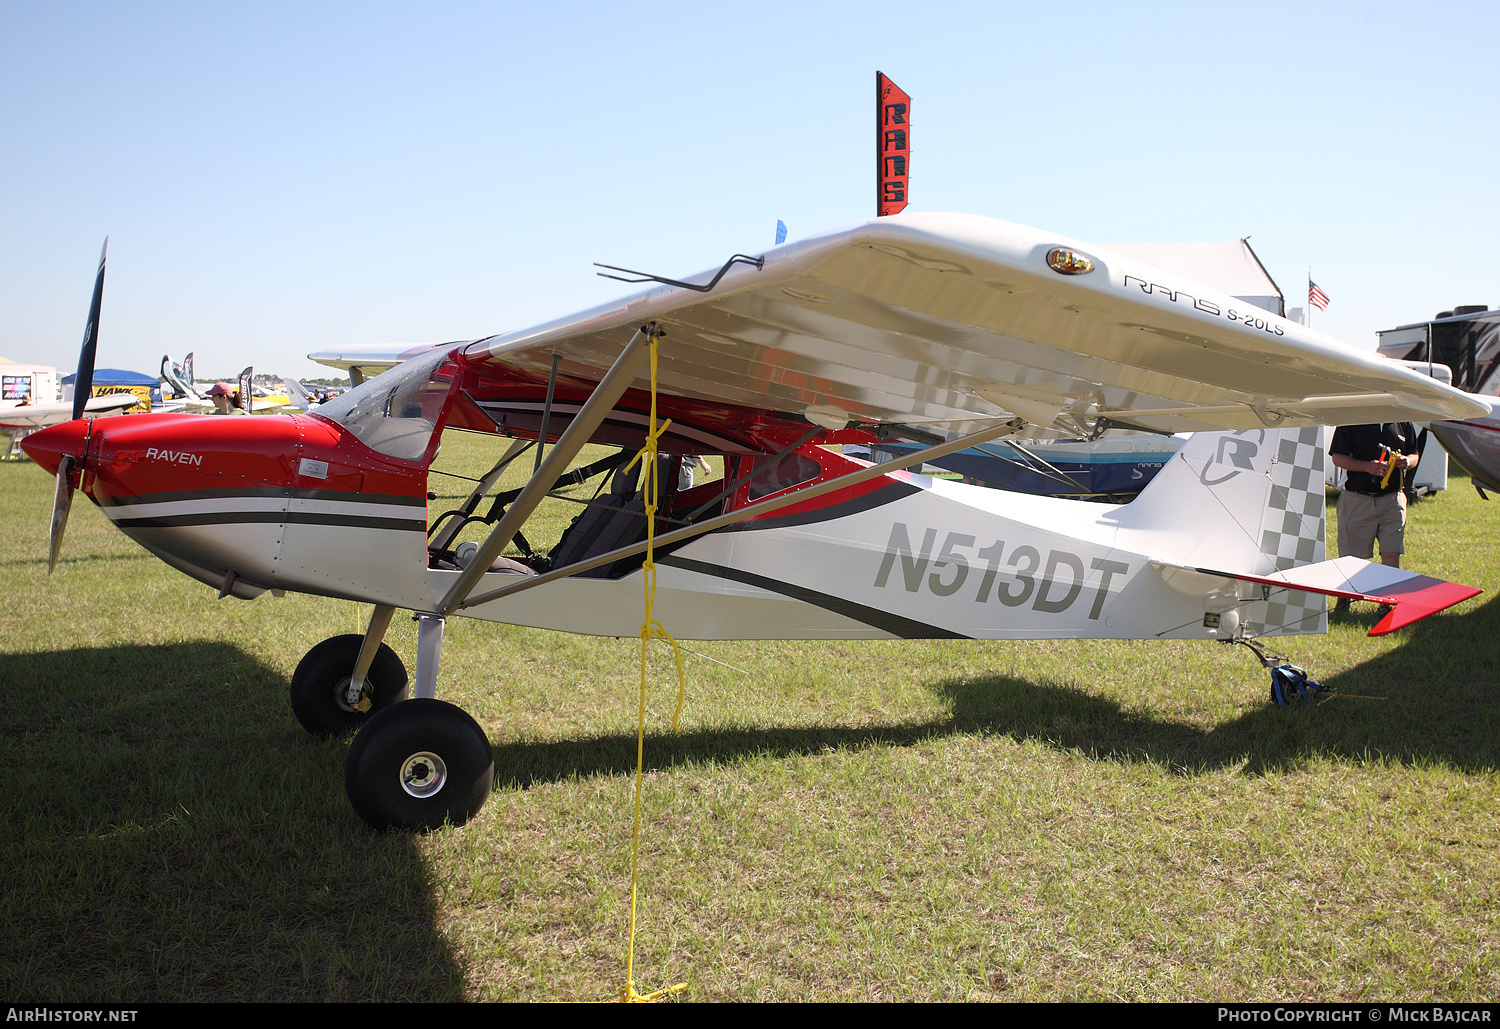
1411 595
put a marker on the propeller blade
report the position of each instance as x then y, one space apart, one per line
62 503
83 383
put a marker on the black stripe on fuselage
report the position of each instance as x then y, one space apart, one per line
279 517
274 492
896 625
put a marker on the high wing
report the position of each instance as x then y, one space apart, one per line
39 416
952 322
363 360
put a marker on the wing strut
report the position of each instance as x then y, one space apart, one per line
457 600
630 364
1045 468
541 435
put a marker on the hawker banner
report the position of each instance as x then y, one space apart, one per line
109 382
892 146
142 396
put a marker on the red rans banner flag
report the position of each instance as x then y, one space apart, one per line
892 146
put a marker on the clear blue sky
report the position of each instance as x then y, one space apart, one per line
279 178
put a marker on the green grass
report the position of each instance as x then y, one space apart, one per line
892 821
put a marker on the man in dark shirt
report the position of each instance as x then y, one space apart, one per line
1372 505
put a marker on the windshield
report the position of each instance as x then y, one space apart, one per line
395 412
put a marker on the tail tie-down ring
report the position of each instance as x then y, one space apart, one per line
1289 683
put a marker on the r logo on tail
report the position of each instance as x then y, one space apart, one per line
1235 450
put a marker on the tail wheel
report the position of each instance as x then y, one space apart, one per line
320 685
418 765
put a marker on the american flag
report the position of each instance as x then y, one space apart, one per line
1316 296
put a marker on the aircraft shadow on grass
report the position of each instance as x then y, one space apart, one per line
1399 707
1391 708
175 836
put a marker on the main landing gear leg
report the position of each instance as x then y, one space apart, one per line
429 652
380 621
423 763
1288 682
344 680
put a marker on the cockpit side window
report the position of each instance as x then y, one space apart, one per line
791 470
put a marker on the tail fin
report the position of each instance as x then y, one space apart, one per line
1250 502
296 393
1249 505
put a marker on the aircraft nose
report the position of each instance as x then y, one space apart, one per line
48 446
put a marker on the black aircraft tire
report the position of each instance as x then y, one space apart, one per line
322 677
418 765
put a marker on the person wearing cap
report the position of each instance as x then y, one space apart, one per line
1372 503
221 394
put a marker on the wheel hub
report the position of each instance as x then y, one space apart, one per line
423 774
341 695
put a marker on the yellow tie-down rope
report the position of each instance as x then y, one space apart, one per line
650 630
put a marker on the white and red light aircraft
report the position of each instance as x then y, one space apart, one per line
916 325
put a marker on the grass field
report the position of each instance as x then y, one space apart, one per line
854 821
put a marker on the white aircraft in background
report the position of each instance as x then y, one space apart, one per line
20 421
188 397
300 398
297 394
180 378
905 326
